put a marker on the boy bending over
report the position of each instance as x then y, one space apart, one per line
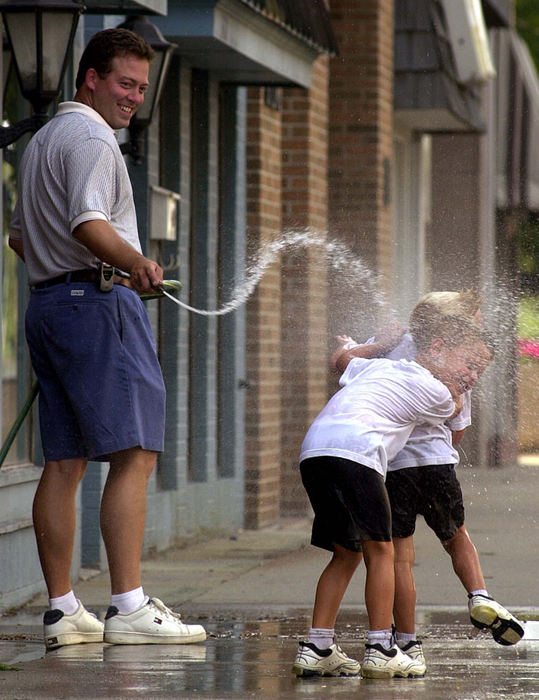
422 480
343 465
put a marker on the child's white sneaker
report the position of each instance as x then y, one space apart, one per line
387 663
153 623
60 629
486 613
414 650
312 661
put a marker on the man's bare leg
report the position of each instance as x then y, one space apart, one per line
54 516
123 515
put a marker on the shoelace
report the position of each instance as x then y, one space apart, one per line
167 612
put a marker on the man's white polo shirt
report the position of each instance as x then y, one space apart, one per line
72 171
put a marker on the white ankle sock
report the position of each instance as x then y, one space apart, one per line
129 601
480 591
383 637
67 603
402 638
322 637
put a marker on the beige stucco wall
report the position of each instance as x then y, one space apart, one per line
528 405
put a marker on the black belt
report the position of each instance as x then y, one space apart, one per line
75 276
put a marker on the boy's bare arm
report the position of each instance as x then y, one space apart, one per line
458 405
384 341
457 435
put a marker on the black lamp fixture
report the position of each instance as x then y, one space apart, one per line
158 69
40 34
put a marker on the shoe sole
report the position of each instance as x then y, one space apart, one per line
505 631
302 672
64 640
423 672
141 638
380 673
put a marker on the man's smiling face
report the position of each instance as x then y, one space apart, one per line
118 94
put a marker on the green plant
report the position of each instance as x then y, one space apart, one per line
528 316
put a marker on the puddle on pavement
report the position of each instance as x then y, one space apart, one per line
252 658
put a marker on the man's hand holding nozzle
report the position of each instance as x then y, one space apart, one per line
146 275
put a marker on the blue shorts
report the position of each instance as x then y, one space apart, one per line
101 386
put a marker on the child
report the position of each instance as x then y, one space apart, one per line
343 465
434 490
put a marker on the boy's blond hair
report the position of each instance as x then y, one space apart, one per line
447 315
464 303
453 330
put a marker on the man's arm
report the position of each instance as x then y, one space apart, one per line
17 245
106 244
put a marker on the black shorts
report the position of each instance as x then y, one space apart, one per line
349 500
433 492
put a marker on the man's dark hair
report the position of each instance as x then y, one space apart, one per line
108 44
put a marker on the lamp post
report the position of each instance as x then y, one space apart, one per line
40 34
158 69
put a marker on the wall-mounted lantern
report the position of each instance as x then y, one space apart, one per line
158 69
40 34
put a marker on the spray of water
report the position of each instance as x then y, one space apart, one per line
335 254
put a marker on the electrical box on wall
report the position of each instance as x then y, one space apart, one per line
469 41
163 214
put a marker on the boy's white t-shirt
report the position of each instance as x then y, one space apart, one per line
428 444
370 419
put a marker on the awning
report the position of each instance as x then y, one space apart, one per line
517 137
428 96
250 42
125 7
497 13
308 19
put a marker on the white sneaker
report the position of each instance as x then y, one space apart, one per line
414 650
153 623
312 661
60 629
486 613
387 663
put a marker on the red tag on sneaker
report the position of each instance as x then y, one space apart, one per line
157 621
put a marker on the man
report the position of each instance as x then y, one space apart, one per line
102 395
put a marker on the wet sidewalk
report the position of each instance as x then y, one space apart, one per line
253 592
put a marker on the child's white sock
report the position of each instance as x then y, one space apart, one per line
67 603
480 591
323 638
383 637
402 638
129 601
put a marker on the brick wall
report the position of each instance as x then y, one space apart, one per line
263 402
295 183
304 281
360 148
